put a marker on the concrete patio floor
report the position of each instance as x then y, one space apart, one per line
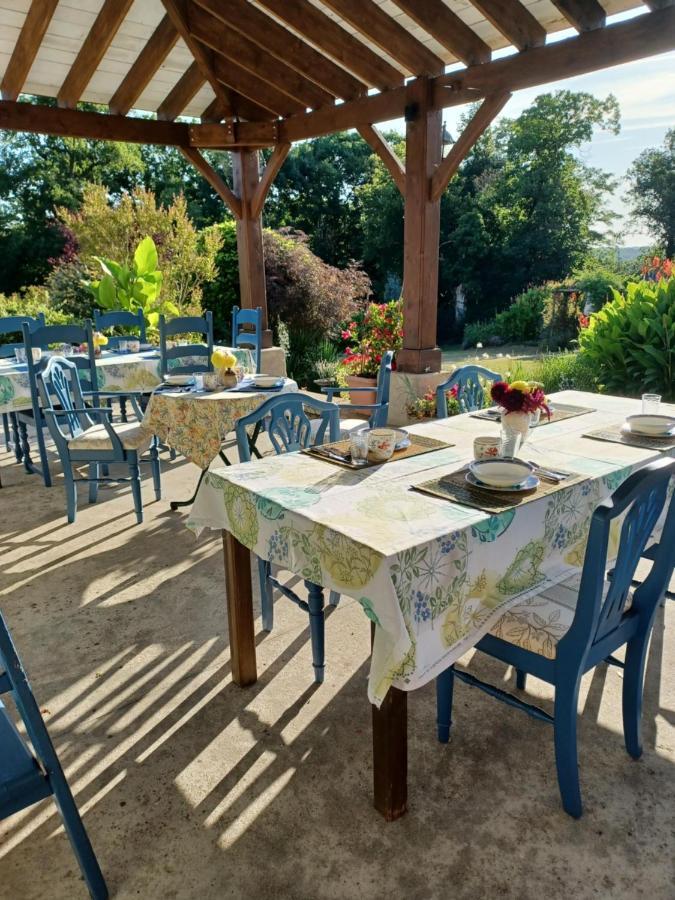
193 788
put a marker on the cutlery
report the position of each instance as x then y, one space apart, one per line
331 454
549 474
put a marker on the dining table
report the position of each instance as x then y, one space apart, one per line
432 573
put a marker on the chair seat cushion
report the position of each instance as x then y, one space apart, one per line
537 624
97 438
350 426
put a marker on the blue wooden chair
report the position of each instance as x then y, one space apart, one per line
589 620
121 318
289 429
42 337
189 352
85 434
378 410
26 776
471 394
247 332
10 423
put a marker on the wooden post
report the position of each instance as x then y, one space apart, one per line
246 176
421 232
390 752
237 561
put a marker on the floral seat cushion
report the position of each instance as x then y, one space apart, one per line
538 623
131 434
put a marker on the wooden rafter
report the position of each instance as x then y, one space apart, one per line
658 4
374 24
514 21
585 15
149 60
285 46
274 163
448 29
326 34
92 51
486 112
219 186
191 81
257 89
379 144
237 48
34 27
214 112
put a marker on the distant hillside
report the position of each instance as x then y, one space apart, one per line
628 253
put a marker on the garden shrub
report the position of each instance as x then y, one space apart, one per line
519 323
29 302
560 318
569 371
68 288
596 283
631 341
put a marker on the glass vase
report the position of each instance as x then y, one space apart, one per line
515 431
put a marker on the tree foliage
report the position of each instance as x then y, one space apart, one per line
652 190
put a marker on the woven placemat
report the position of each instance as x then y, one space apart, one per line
456 488
559 412
418 445
617 436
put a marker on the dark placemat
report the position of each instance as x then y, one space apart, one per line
617 436
418 445
559 412
456 488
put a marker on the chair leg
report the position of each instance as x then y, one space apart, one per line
28 463
123 409
266 594
16 438
633 681
5 428
316 628
71 492
93 483
445 684
521 678
156 472
42 450
135 475
333 598
565 738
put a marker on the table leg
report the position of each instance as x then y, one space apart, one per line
175 504
390 754
237 559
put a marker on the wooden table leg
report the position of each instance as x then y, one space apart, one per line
237 559
390 753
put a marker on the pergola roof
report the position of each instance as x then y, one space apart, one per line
278 62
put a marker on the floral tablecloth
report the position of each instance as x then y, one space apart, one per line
115 371
196 424
432 575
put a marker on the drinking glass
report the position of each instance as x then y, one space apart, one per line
358 447
510 444
650 404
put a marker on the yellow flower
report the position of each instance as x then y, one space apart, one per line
100 340
221 359
523 386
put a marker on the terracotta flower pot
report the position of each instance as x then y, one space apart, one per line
358 397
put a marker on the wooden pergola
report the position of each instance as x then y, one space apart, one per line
264 73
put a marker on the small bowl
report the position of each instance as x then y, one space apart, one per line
179 380
652 425
381 444
486 447
501 473
265 381
134 346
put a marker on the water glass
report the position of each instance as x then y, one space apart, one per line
123 346
199 382
239 371
510 443
651 404
358 447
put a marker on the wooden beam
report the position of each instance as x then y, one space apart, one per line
274 163
658 4
584 15
256 89
181 93
285 46
237 48
382 29
486 112
250 250
25 50
214 112
448 29
92 51
214 179
514 21
177 12
96 126
240 624
384 150
343 47
148 61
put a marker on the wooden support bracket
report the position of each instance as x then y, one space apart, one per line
214 179
274 163
379 144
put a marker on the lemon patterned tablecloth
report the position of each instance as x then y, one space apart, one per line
196 424
115 372
432 575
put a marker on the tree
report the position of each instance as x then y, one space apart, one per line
652 191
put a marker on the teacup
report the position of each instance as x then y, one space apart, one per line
381 444
133 346
211 381
486 447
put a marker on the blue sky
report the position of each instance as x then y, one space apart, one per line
646 93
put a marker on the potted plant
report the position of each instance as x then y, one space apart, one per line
425 407
380 329
326 372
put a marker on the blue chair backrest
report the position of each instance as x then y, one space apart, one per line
59 388
641 500
14 325
471 391
62 334
379 416
120 318
287 424
242 318
186 325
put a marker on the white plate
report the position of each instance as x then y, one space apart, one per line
179 380
503 473
266 381
530 483
402 438
652 426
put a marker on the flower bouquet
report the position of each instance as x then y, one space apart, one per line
223 362
522 404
